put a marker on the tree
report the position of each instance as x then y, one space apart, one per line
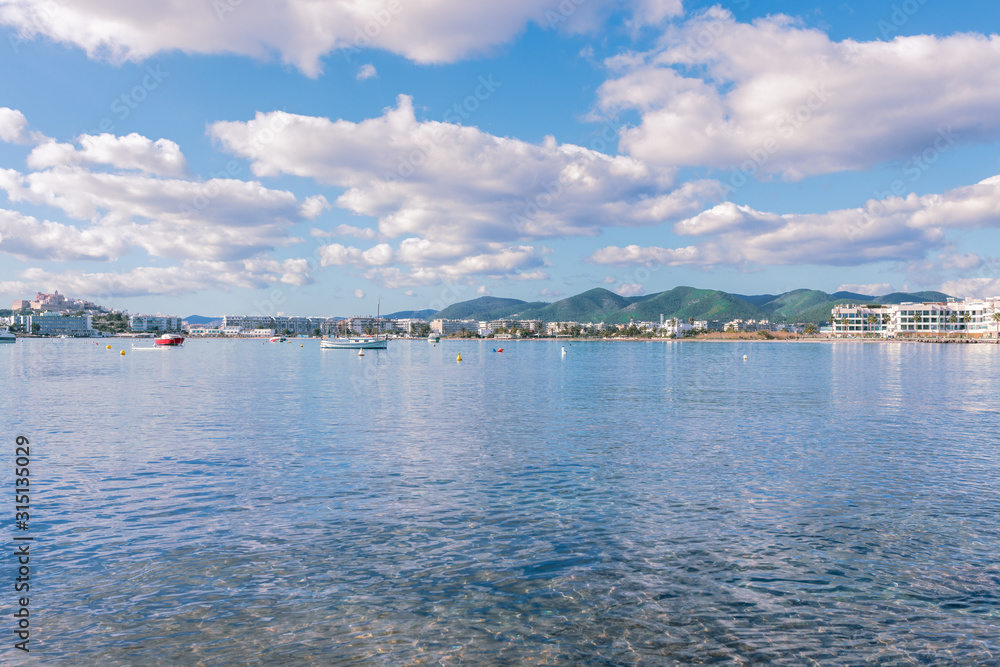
811 328
317 333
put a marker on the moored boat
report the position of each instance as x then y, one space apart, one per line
433 338
7 337
168 340
355 343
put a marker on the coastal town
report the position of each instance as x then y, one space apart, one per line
58 315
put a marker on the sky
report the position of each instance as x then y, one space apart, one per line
326 158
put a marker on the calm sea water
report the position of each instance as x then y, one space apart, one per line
233 502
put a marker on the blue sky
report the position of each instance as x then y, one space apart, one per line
239 156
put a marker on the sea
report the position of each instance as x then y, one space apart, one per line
233 502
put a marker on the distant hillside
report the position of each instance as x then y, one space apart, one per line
685 303
484 308
591 306
902 297
601 305
411 314
201 320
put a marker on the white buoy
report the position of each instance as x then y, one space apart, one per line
361 353
744 357
564 351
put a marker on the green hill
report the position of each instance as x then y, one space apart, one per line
591 306
601 305
902 297
689 302
485 308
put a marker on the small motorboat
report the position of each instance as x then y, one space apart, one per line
168 340
278 339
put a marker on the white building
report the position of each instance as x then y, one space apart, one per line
51 324
973 318
155 323
446 327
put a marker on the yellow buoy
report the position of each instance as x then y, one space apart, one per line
108 347
123 353
301 345
459 358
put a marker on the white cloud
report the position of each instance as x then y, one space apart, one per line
14 128
359 294
162 157
12 125
27 238
647 256
345 230
483 291
550 293
185 278
891 229
629 289
774 98
219 219
972 287
366 72
871 289
455 194
304 31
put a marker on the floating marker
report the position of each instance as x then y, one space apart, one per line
744 357
123 353
361 353
108 347
458 358
564 351
301 345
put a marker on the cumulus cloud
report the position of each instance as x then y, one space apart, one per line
775 98
903 229
28 238
455 194
359 294
629 289
870 289
366 72
218 219
345 230
134 151
972 287
303 31
14 128
186 278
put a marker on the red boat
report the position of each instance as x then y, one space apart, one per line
168 339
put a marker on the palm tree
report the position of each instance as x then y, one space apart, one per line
996 319
873 320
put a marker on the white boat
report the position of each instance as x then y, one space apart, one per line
7 337
358 342
433 338
355 343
